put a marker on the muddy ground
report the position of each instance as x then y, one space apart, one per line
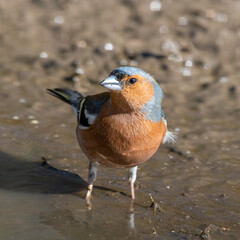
192 48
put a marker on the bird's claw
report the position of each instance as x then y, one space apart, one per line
88 196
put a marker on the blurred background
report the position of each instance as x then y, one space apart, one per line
192 48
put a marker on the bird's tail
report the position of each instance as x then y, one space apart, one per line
66 95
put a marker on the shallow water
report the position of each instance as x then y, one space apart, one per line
192 49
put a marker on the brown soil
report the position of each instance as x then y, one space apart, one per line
191 48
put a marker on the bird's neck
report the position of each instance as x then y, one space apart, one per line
119 104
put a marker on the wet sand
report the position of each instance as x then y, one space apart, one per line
193 51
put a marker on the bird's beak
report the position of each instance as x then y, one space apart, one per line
111 83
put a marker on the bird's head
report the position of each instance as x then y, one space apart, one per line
134 87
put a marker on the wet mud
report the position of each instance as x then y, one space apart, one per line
193 51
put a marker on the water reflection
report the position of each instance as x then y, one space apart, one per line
105 222
131 220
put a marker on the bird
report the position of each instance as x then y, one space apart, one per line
120 128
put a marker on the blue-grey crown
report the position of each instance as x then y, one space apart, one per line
123 71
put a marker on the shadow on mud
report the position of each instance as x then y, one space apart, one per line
20 175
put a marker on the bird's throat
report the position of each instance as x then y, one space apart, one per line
119 104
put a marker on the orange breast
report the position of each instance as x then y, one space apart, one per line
121 140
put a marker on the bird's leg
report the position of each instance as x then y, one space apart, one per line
92 175
132 175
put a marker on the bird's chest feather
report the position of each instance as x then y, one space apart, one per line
122 139
124 132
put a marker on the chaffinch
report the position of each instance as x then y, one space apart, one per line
120 128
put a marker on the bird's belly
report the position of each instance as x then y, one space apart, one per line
121 147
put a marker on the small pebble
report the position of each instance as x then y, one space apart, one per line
123 62
43 55
108 47
170 46
22 100
154 232
59 19
15 117
31 117
79 71
206 66
210 13
182 21
76 79
154 205
82 44
223 80
188 63
186 72
175 58
163 29
221 17
133 63
177 129
155 5
34 121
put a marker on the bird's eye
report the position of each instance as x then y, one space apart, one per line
132 80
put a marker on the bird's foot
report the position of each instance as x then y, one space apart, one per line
89 191
88 196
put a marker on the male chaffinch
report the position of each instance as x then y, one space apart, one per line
120 128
